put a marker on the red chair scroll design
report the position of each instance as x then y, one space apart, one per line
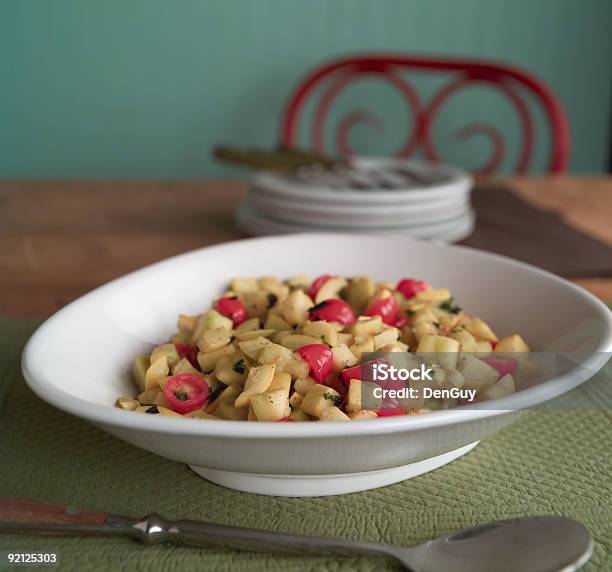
508 81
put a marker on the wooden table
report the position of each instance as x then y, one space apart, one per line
61 239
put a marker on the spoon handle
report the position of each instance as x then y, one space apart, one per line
19 515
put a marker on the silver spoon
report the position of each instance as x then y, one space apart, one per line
532 544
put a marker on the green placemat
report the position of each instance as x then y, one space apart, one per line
548 462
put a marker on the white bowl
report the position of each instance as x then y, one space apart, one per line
79 358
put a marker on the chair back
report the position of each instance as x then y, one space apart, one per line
512 83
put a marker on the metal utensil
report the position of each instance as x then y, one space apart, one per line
315 168
532 544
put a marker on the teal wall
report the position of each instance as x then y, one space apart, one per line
144 88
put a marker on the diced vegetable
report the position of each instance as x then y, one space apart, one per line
258 381
188 351
343 357
386 308
327 332
367 325
476 373
214 340
513 344
332 310
333 414
439 349
186 392
479 329
252 348
358 293
331 288
271 405
384 338
158 370
209 360
244 285
320 360
303 384
295 341
362 344
128 403
319 398
410 287
295 307
363 415
353 399
167 350
316 285
505 386
232 308
248 326
139 371
503 365
431 295
208 321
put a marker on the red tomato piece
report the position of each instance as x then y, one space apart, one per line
316 285
350 373
409 287
333 310
401 321
186 392
320 360
389 412
284 419
232 307
356 372
188 351
504 365
387 309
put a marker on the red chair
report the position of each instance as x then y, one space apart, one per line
511 82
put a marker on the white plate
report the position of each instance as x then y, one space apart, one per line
256 223
455 183
312 212
79 358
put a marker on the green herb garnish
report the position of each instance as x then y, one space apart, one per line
318 306
216 392
182 396
335 398
450 306
239 366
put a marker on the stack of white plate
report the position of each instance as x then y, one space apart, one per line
377 196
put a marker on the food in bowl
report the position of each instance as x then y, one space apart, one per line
294 350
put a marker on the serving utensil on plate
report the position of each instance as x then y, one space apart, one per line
316 168
530 544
